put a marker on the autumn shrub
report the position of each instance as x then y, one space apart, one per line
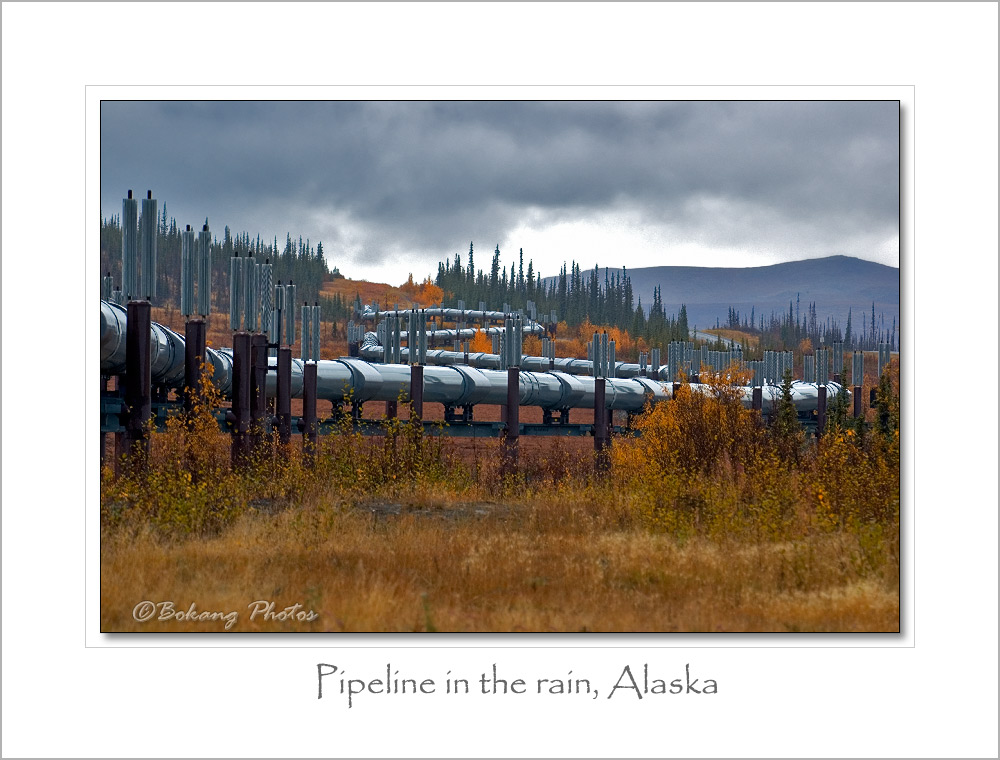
185 485
705 465
188 485
700 431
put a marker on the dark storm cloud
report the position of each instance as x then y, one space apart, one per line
418 176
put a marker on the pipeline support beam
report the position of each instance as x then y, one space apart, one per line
417 391
242 389
310 428
138 395
821 412
194 357
602 460
258 353
512 420
283 404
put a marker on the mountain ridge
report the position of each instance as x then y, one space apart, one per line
836 284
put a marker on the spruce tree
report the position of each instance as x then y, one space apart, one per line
785 431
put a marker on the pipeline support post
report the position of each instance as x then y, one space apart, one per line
512 420
310 428
757 399
858 412
118 439
602 460
104 436
258 403
194 357
138 380
821 412
417 392
242 382
283 403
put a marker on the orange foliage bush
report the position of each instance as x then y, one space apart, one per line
424 294
482 343
532 345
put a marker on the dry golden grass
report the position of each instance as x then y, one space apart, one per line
558 564
699 527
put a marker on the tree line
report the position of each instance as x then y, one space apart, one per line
598 297
605 297
298 261
781 331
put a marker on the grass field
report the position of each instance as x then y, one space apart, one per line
707 522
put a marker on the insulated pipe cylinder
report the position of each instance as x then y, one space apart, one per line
838 360
235 293
306 352
822 366
147 245
251 300
277 316
411 337
315 331
605 355
397 345
518 341
130 247
204 271
422 340
884 356
187 272
288 314
266 299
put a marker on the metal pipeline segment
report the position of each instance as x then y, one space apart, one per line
805 396
358 381
372 350
530 326
166 352
448 313
448 382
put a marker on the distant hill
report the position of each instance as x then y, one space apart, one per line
835 284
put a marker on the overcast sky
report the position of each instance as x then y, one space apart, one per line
394 187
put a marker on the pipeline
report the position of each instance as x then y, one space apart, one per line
166 352
446 380
371 349
805 396
529 327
